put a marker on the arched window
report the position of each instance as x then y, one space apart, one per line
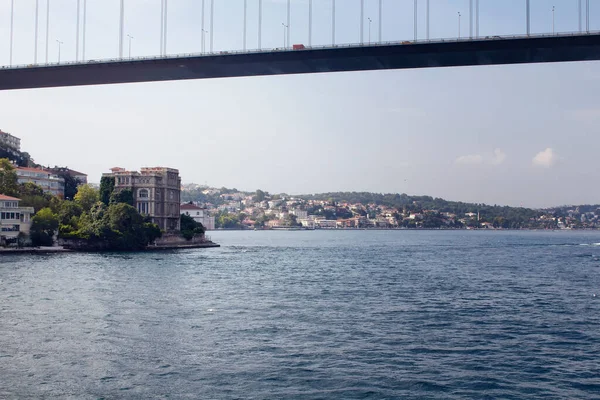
143 193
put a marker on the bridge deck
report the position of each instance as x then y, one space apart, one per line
359 58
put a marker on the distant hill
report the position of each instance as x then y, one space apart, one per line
420 203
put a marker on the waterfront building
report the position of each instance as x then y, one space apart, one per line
13 218
199 214
156 193
80 176
47 180
8 140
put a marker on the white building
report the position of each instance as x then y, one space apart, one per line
199 214
10 141
47 180
13 219
301 214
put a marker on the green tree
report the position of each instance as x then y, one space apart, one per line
259 196
122 196
86 197
32 195
107 185
43 226
8 178
190 228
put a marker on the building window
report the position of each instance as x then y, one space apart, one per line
143 193
143 208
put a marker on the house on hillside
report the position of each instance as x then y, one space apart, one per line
199 214
13 218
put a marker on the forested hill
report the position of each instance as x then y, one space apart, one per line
420 203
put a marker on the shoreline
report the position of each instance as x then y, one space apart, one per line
62 250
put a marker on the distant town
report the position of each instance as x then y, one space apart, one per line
62 197
233 209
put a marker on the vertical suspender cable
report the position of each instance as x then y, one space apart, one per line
35 45
77 31
362 20
84 28
203 47
471 19
415 22
310 22
166 27
121 23
528 16
162 25
212 26
47 27
380 20
289 17
259 24
427 20
245 16
333 22
477 18
12 21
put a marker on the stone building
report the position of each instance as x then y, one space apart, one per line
156 193
13 218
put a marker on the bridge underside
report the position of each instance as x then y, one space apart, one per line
362 58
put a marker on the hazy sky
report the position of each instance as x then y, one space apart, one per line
517 135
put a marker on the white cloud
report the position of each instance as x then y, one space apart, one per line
545 159
496 158
499 157
472 159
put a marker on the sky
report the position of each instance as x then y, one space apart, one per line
511 135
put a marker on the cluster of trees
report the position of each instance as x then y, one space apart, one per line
108 220
112 224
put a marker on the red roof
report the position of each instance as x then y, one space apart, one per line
190 207
3 197
31 169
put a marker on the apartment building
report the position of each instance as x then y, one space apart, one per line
8 140
199 214
47 180
13 218
156 193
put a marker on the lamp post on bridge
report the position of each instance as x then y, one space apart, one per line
59 44
370 20
459 24
204 32
284 30
553 20
130 37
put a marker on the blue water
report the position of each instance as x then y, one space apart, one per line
309 315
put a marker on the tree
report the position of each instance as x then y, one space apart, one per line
260 196
86 197
8 178
71 185
32 195
132 231
43 226
122 196
107 185
190 228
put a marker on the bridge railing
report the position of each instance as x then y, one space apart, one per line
287 49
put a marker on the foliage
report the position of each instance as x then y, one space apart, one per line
8 178
32 195
107 185
86 197
43 226
259 196
227 220
190 228
118 226
122 196
71 185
